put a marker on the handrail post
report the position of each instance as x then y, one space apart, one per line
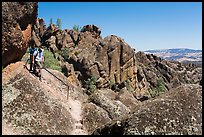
67 92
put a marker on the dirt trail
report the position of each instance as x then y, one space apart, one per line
75 109
70 103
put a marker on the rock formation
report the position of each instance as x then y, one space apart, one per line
38 31
114 63
17 21
178 112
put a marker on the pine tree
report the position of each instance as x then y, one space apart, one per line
50 20
76 28
59 23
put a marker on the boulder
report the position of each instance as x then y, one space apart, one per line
163 115
51 43
127 99
17 20
68 70
114 107
94 117
51 30
67 40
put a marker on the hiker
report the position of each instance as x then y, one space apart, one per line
38 61
31 51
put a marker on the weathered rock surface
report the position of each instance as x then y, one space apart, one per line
93 29
128 99
94 116
37 32
34 107
115 108
17 20
178 112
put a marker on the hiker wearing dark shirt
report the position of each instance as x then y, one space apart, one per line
31 51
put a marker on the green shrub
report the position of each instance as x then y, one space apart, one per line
128 85
76 53
50 61
160 86
160 89
111 84
64 53
90 85
77 28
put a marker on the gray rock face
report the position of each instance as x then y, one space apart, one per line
31 106
94 116
114 107
178 112
17 20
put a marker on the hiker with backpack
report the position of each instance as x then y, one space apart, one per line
38 61
31 51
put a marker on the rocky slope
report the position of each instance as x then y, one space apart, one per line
31 107
17 21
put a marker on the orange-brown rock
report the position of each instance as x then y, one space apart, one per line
17 18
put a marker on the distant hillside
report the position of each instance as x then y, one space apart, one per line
178 54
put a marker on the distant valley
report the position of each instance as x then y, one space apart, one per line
178 54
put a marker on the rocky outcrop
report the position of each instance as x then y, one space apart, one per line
110 60
115 64
17 21
106 105
173 74
93 29
37 32
115 108
178 112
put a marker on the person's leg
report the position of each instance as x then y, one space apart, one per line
34 66
39 71
31 64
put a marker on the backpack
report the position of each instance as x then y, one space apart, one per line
31 51
37 54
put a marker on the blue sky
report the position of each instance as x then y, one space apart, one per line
143 25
